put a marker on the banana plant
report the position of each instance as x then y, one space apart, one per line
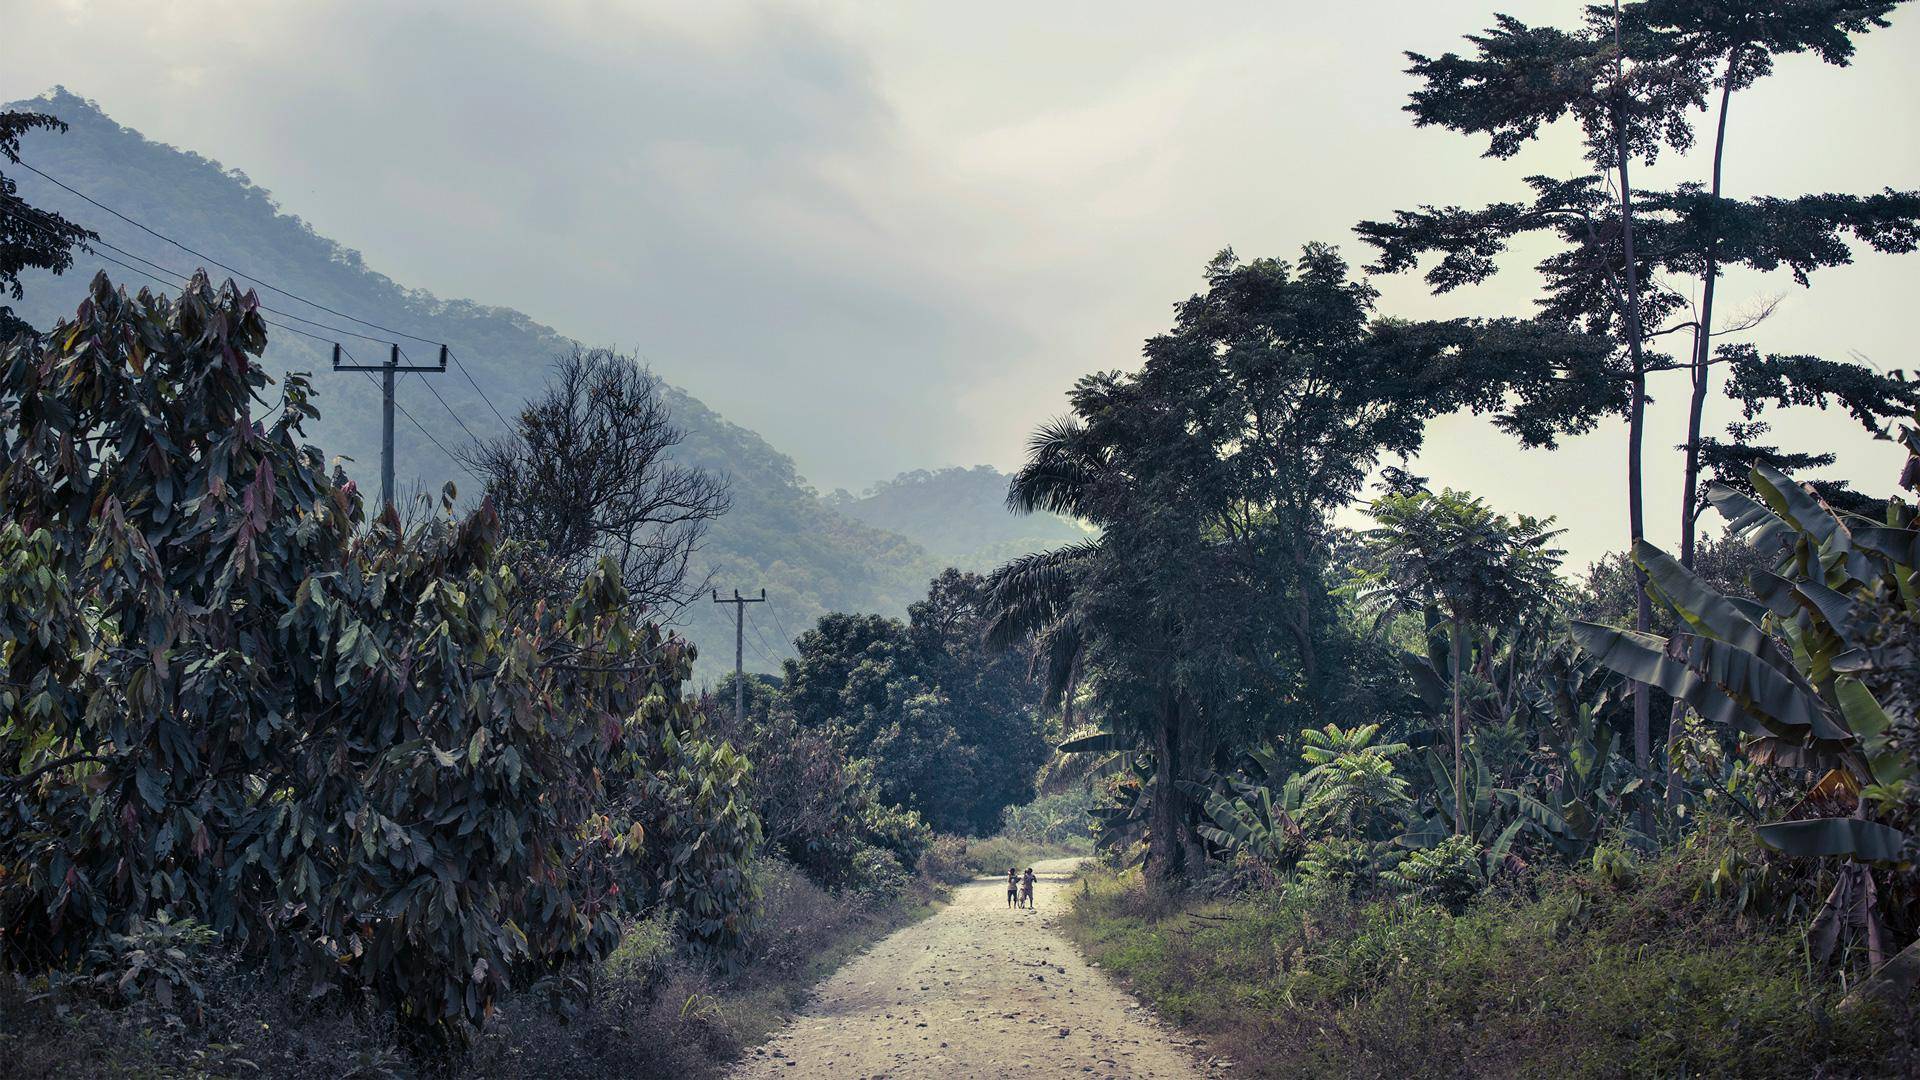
1254 818
1120 818
1794 671
1565 807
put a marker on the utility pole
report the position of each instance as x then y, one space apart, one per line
740 649
387 372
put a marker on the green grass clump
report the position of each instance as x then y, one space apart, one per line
994 854
1570 975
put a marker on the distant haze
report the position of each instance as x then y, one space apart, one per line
890 236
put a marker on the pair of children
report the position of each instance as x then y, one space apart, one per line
1019 888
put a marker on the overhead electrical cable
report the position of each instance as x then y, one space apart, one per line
263 282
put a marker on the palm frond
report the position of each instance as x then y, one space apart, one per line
1057 473
1031 593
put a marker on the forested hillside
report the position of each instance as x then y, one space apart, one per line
958 514
779 534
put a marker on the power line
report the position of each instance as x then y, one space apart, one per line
20 214
775 612
422 428
175 284
508 424
229 269
276 288
760 643
449 408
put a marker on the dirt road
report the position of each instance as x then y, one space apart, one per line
977 990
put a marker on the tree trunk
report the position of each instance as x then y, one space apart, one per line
1301 625
1459 738
1166 818
1636 412
1697 406
1703 338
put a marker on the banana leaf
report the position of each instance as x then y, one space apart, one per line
1836 609
1428 684
1497 854
1797 506
1899 546
1855 838
1751 521
1643 658
1700 606
1778 699
1868 720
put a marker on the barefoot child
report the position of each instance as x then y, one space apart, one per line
1026 889
1013 887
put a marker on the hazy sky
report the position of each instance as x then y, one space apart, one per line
890 235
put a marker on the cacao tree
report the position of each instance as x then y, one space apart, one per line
360 752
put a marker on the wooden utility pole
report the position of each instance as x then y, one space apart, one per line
387 372
740 649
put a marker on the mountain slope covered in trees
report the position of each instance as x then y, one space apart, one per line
958 514
779 534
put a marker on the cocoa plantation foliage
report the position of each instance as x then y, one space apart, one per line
361 753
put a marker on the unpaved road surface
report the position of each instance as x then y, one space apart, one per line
977 990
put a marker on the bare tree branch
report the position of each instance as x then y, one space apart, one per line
588 474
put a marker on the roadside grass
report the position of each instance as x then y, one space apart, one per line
1570 976
659 1016
991 856
647 1011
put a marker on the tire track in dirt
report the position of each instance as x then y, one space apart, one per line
977 990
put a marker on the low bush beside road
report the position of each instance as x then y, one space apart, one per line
649 1009
1579 973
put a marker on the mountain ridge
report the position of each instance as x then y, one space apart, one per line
781 534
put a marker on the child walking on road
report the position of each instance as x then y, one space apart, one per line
1026 889
1013 887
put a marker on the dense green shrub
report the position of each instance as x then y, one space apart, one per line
1449 873
1573 975
945 861
1058 819
357 751
821 807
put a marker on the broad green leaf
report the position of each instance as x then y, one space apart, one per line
1856 838
1706 610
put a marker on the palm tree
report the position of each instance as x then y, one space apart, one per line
1450 553
1084 609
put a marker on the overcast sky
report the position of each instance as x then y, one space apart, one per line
890 235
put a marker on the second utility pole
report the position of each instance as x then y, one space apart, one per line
387 372
740 649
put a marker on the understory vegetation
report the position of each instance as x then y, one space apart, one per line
1614 968
649 1008
289 787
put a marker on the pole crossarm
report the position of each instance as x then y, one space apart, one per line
388 372
739 648
393 364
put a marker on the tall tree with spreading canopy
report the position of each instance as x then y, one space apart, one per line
1201 611
950 722
1630 78
1744 37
